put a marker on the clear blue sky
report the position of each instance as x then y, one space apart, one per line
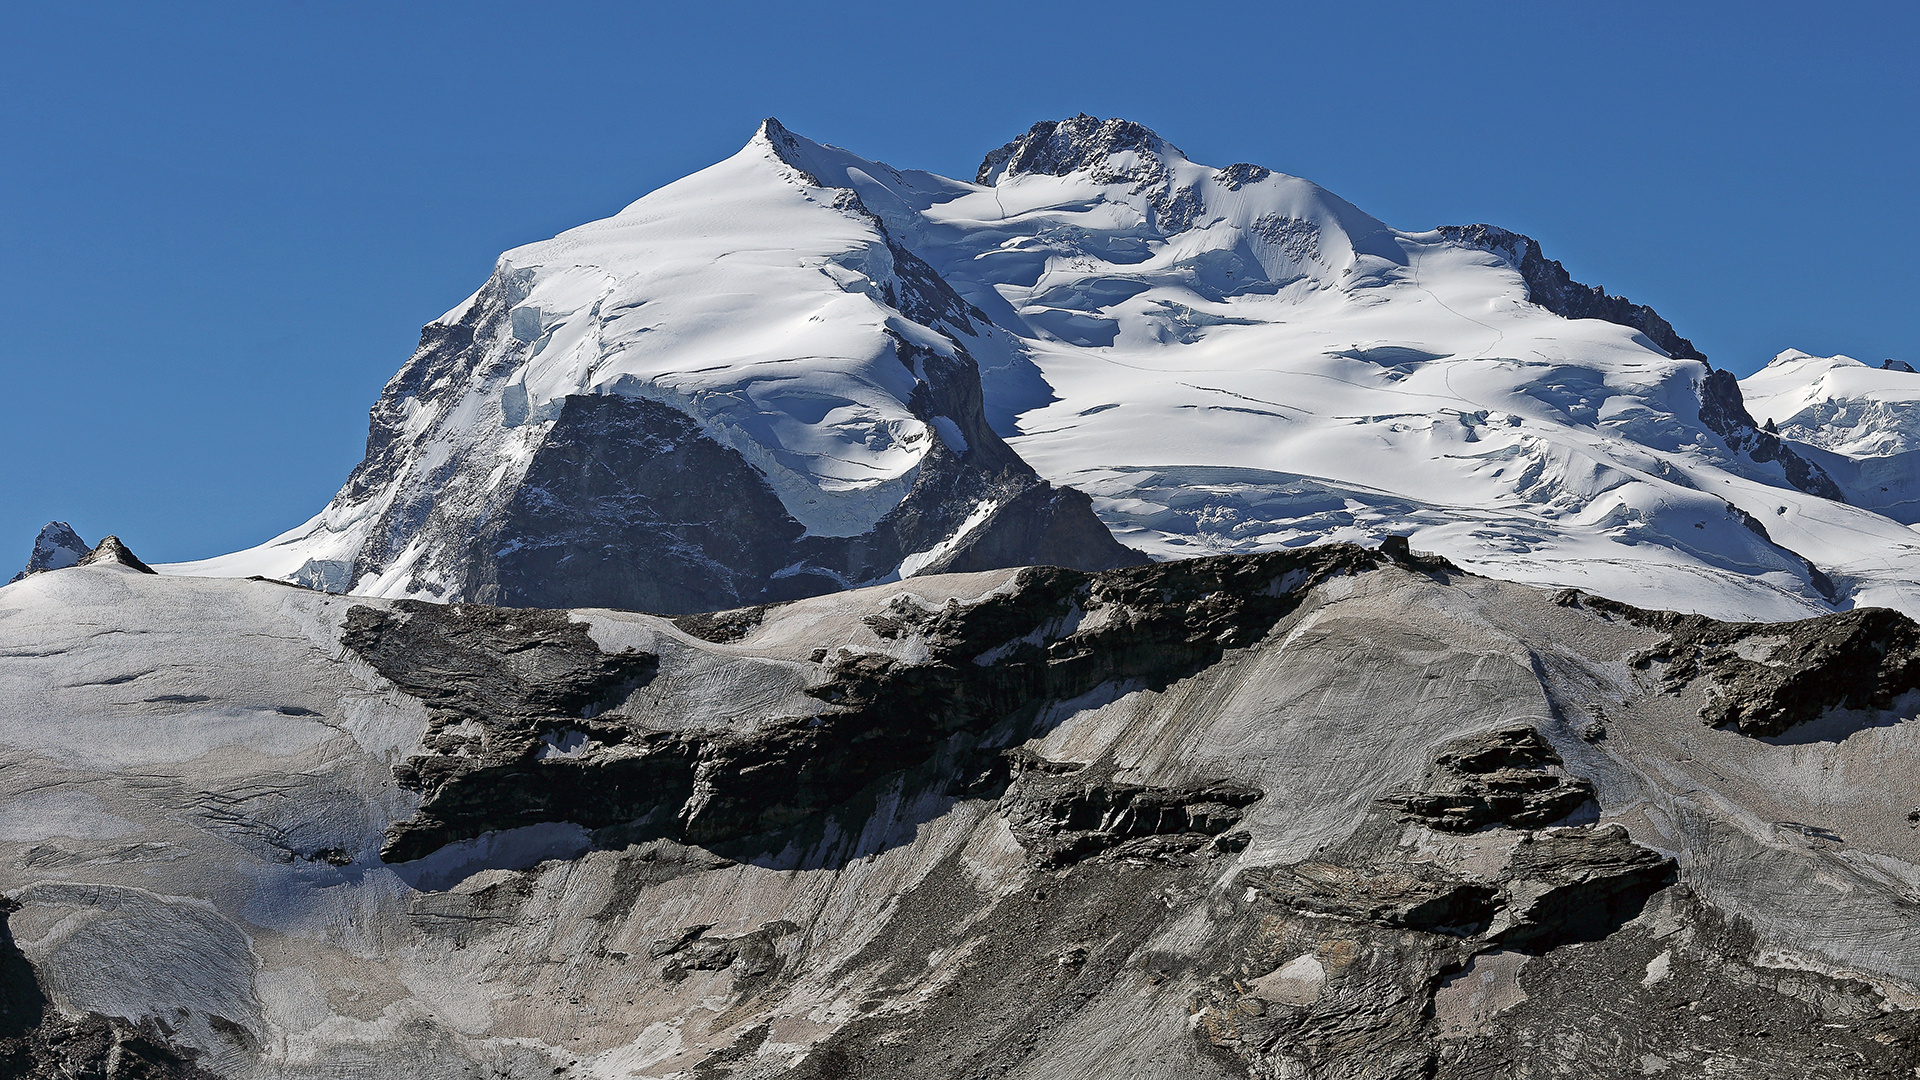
221 226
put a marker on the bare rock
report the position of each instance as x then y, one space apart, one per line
1509 777
111 552
1062 813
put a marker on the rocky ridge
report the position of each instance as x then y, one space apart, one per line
1333 812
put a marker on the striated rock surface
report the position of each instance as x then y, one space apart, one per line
1326 813
1511 777
111 552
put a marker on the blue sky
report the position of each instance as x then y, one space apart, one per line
222 226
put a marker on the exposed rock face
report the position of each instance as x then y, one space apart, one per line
1724 411
57 546
1064 812
1550 286
1087 143
501 687
1346 982
1059 147
1055 635
111 552
38 1043
1511 776
1768 677
1343 813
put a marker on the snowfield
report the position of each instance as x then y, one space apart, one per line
1228 360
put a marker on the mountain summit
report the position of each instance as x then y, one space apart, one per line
801 370
741 388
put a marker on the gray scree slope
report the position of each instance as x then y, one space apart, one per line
1327 813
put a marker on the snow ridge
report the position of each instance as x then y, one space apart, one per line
1225 359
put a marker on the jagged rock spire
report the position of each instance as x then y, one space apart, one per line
56 547
111 552
1059 147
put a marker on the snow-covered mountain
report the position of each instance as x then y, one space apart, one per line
56 548
1861 421
1226 359
740 388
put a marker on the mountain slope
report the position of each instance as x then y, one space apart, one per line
1203 818
738 389
1228 360
1862 423
1236 360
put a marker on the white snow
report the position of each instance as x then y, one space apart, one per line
1863 423
1266 368
920 560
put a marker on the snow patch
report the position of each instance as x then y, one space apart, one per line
918 561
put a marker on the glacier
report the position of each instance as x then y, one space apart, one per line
1226 359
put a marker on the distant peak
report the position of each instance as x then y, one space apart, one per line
56 547
1076 144
791 149
1897 365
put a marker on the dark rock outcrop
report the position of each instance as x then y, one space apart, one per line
500 685
752 957
1509 777
56 547
1861 659
1576 885
1059 147
628 504
1416 896
1062 812
1085 143
111 552
1724 411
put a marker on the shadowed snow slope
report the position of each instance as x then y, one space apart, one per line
1225 359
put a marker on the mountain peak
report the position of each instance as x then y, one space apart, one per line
111 552
57 547
1078 143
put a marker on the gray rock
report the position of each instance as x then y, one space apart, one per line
1512 777
811 839
111 552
